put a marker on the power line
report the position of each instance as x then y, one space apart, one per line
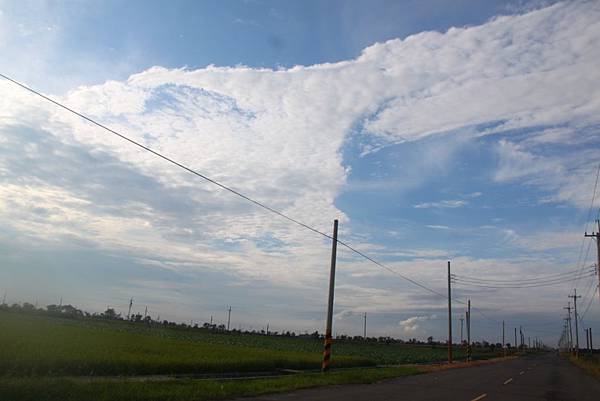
589 304
217 183
525 285
550 277
588 221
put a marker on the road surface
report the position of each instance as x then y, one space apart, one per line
533 378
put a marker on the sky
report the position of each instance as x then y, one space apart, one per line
434 132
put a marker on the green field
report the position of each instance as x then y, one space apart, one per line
46 346
44 358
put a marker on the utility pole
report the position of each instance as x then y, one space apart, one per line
146 312
566 319
449 317
521 336
503 342
587 340
469 331
591 343
596 236
328 340
528 342
60 304
211 320
516 338
228 317
575 296
461 330
568 308
128 313
365 328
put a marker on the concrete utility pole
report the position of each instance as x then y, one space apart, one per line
566 319
591 343
145 312
469 330
521 336
503 342
328 339
449 317
575 296
461 329
596 236
516 338
228 317
365 328
128 313
568 308
587 339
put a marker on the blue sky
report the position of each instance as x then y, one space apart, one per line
433 132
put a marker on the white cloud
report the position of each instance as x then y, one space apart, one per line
413 325
449 203
442 204
517 163
437 227
277 136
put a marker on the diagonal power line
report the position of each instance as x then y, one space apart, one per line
221 185
588 222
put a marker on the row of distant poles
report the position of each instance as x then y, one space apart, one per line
325 366
211 318
328 330
567 334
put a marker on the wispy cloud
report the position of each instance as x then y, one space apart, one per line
437 227
441 204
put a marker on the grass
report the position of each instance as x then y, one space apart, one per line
54 389
589 363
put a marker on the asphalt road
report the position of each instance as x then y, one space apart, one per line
541 378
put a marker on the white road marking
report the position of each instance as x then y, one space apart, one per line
521 372
481 397
508 381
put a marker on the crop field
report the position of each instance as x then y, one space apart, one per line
46 346
37 345
53 358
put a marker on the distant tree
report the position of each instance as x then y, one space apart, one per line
71 311
110 313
